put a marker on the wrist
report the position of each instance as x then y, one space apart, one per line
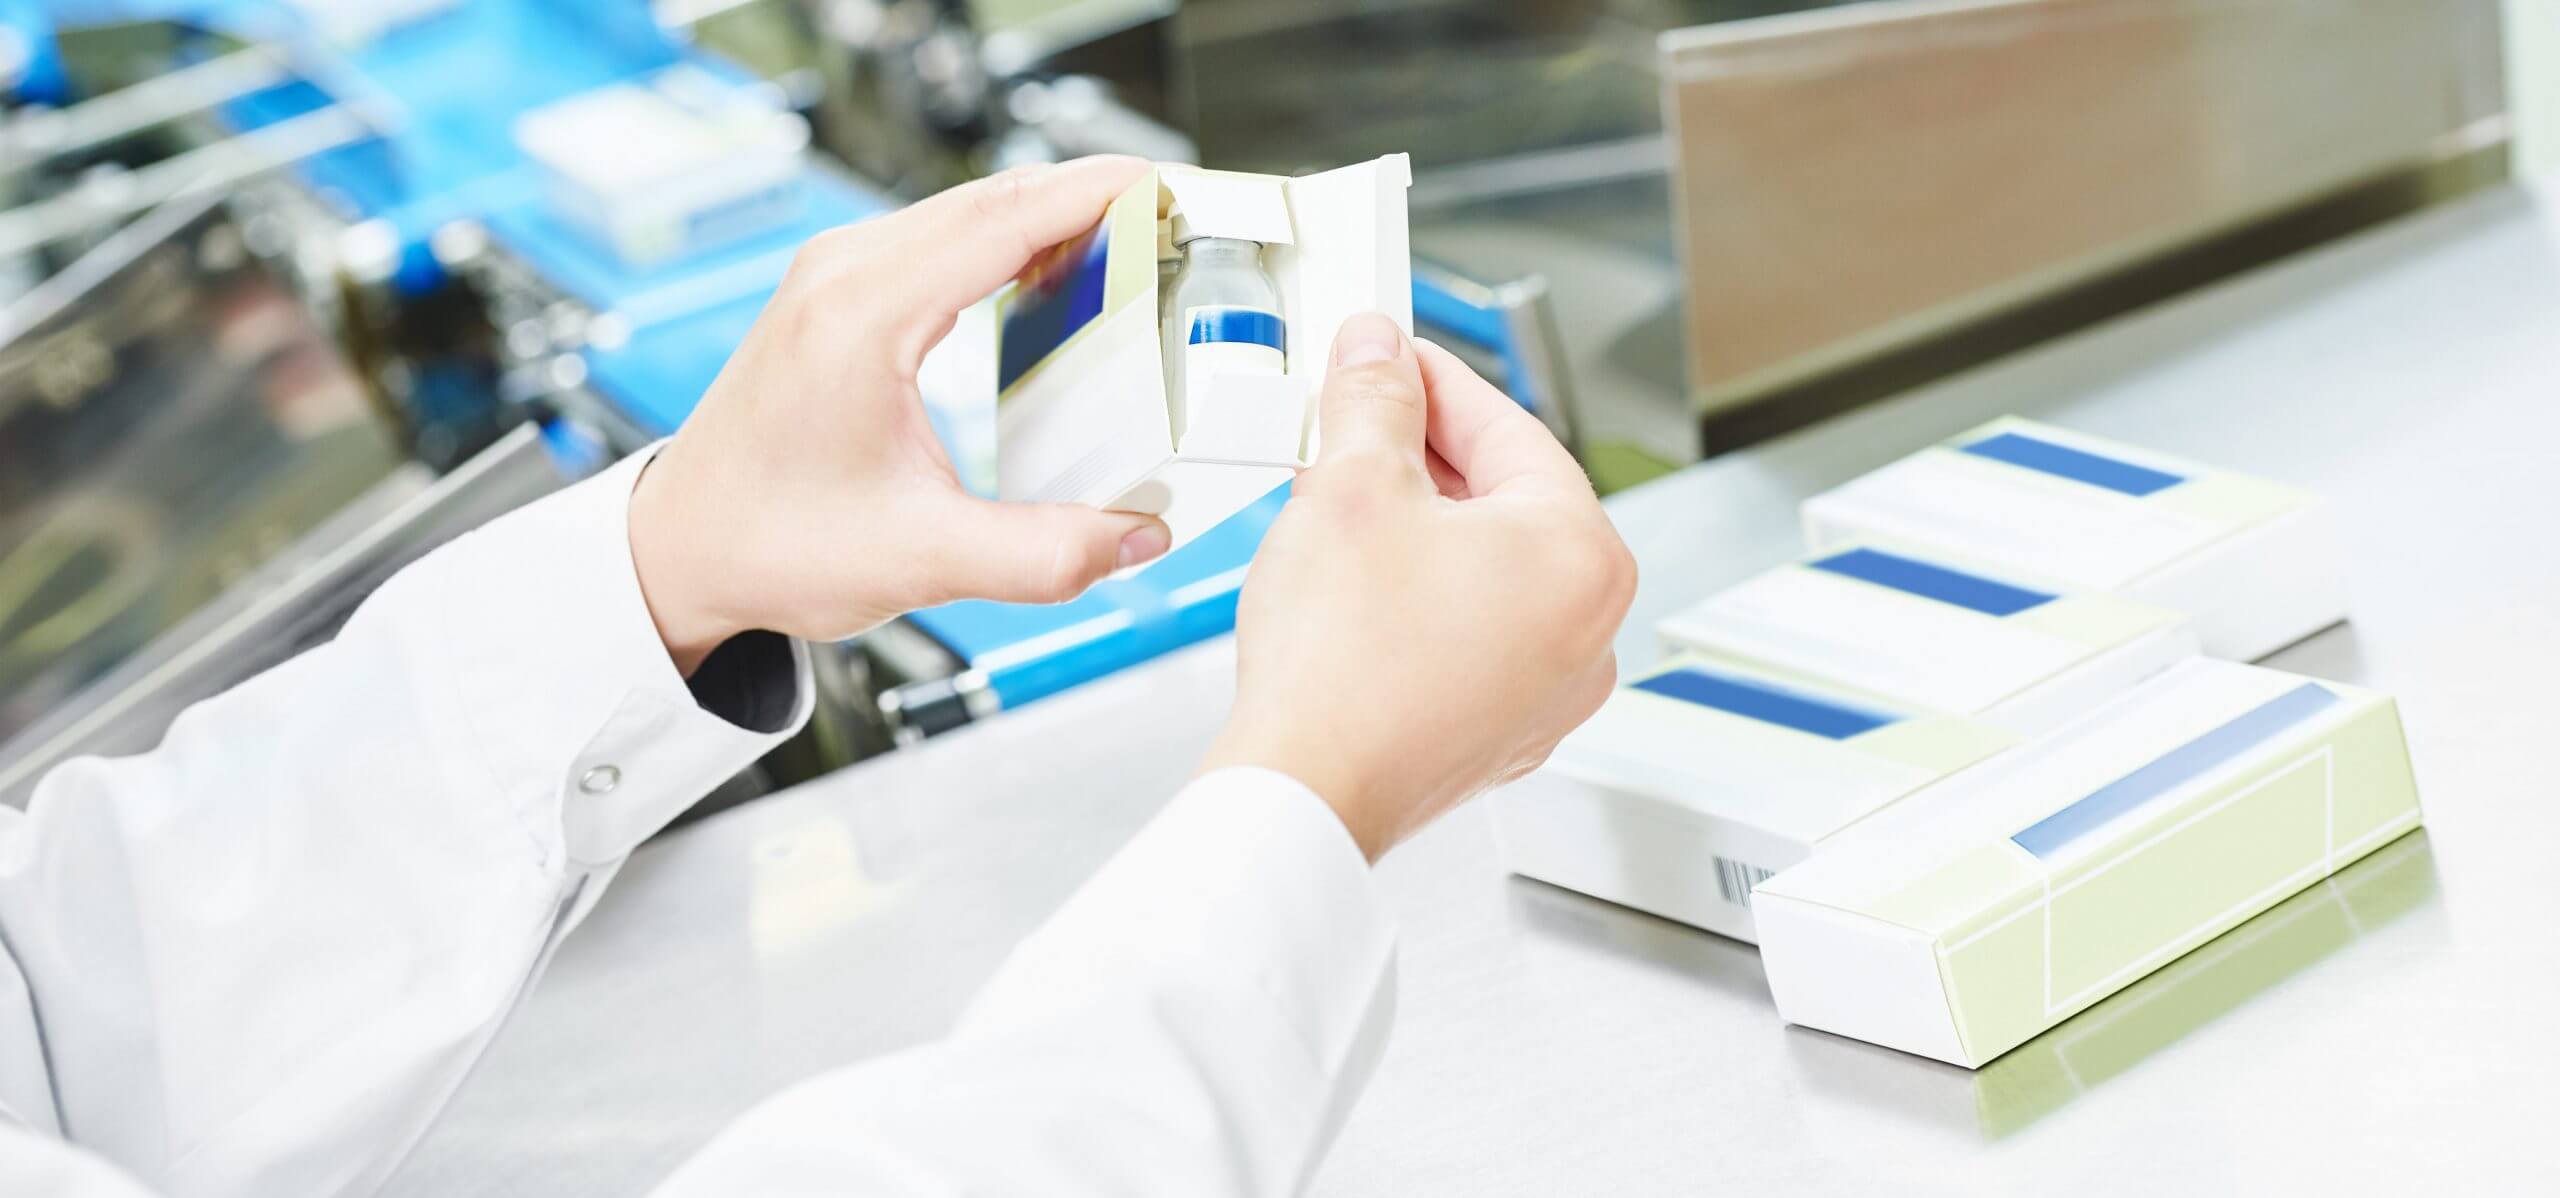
1323 774
672 572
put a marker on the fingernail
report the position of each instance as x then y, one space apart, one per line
1367 337
1146 544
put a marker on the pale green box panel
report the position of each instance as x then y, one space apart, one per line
2170 884
1939 743
2377 791
2095 618
2188 885
1995 985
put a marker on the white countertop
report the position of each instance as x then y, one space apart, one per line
2390 1030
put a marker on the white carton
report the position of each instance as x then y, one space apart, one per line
1696 781
681 162
1963 920
2254 564
1083 414
1919 633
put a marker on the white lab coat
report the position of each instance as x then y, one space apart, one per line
261 958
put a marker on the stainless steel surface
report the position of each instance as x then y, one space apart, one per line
171 420
31 135
288 603
1529 315
2388 1032
1604 252
1864 178
204 170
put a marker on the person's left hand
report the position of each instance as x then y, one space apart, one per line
808 495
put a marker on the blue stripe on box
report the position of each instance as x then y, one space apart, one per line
2176 768
1912 576
1250 325
1056 297
2078 465
1765 703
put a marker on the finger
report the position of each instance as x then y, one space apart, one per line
1373 397
1038 552
1491 441
972 239
1444 476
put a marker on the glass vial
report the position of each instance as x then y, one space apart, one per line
1221 317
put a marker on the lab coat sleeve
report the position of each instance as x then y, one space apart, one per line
258 959
1196 1021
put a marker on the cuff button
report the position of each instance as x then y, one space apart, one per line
600 780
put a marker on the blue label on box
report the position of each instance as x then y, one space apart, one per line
2078 465
2175 768
1055 300
1912 576
1767 703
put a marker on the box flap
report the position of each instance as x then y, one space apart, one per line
1352 221
1257 419
1223 204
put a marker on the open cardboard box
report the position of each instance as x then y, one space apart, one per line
1083 411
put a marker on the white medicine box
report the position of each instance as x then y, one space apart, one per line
2254 564
1908 630
1084 413
1700 779
1967 918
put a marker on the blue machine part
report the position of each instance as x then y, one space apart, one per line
449 87
687 316
648 295
1435 307
40 78
657 376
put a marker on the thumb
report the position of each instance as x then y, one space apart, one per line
1038 552
1373 409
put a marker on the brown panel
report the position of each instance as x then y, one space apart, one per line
1852 181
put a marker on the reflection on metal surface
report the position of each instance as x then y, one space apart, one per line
170 418
1849 184
2109 1039
1514 323
311 581
1452 84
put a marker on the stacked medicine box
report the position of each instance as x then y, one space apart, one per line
1986 754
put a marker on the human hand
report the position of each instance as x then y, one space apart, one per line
807 493
1434 608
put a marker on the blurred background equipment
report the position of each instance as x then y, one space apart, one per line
166 427
1907 188
382 270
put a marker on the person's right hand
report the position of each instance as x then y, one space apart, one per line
1433 610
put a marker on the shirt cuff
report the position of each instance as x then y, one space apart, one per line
556 670
1249 872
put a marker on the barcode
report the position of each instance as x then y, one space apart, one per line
1734 880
